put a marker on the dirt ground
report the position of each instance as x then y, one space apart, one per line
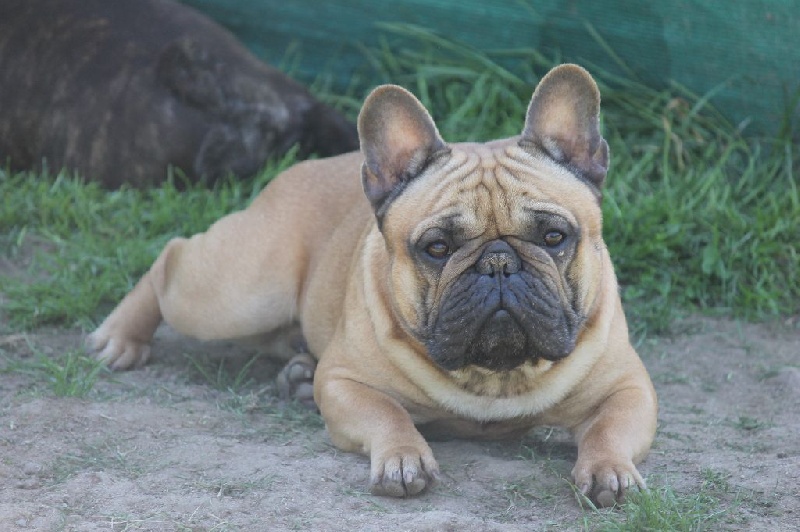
169 448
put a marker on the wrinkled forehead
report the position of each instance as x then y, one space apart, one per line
492 190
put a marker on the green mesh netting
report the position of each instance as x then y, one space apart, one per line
744 54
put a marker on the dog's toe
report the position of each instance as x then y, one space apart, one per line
404 472
117 354
606 482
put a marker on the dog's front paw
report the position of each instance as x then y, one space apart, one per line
115 350
403 471
606 481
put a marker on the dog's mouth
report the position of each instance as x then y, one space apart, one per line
500 343
500 326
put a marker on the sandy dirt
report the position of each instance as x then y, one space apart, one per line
169 448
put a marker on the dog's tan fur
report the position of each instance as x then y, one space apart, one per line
314 248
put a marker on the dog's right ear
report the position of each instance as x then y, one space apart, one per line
398 139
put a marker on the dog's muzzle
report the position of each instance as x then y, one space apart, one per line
500 314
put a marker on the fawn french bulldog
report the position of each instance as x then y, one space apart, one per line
460 289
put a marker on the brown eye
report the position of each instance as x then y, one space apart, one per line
553 238
438 249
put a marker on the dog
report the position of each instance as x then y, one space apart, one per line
445 289
121 91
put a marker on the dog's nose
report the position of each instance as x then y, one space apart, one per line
498 257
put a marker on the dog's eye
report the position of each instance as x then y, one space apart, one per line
438 249
553 238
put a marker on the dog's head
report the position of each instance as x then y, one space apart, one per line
495 250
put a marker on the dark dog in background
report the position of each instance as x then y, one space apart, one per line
121 90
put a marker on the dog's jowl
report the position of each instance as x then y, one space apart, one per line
455 288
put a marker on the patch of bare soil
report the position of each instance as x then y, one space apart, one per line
169 448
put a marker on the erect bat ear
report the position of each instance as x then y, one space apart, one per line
563 121
398 139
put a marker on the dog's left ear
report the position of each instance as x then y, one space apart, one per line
398 139
563 121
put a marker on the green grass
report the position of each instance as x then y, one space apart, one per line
87 247
235 380
710 506
71 374
226 487
697 217
661 509
222 375
107 454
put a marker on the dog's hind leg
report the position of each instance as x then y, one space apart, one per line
237 279
123 340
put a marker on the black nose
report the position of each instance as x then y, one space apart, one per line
498 257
